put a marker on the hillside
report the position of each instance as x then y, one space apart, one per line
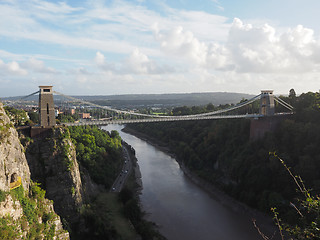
156 100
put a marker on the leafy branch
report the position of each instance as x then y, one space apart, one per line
307 224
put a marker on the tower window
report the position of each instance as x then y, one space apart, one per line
46 90
47 108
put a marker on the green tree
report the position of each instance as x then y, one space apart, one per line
307 208
292 93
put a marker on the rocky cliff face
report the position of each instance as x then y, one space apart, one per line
52 161
23 213
13 214
13 163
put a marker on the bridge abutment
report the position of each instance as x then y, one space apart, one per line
259 127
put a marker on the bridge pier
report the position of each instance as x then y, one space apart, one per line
267 103
46 107
267 123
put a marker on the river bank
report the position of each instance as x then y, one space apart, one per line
135 168
264 222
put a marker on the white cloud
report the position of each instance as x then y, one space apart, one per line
117 27
37 66
101 62
136 63
55 8
248 49
259 49
183 43
12 68
99 59
139 63
177 50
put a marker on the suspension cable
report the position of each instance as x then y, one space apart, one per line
283 103
281 100
28 95
161 116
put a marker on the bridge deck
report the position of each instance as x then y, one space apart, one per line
169 119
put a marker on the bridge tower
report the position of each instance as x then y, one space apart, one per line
267 103
46 107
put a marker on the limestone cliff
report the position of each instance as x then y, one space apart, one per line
24 212
17 224
13 163
52 161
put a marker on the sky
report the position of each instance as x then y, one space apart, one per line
109 47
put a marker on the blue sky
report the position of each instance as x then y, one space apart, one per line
157 46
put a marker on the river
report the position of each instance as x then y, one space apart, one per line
181 209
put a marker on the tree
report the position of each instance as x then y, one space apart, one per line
292 93
292 96
210 107
307 209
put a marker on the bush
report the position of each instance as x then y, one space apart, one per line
3 195
7 230
37 192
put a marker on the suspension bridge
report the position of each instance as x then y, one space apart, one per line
47 115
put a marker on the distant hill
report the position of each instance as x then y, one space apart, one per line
158 100
167 100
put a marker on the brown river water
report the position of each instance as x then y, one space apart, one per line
181 209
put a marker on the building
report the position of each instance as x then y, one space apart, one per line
85 115
72 111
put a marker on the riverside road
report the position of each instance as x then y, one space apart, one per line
123 175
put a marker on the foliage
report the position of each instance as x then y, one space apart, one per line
4 130
222 153
98 218
28 204
33 207
65 118
132 211
18 117
99 152
3 195
307 218
8 231
25 141
37 192
34 117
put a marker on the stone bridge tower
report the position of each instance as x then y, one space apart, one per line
46 107
267 103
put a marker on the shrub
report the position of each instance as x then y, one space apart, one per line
37 192
7 230
3 195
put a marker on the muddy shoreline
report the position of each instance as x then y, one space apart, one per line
264 221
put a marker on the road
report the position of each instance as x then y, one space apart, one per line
125 171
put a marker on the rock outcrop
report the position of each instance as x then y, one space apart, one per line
12 211
13 163
23 214
52 161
